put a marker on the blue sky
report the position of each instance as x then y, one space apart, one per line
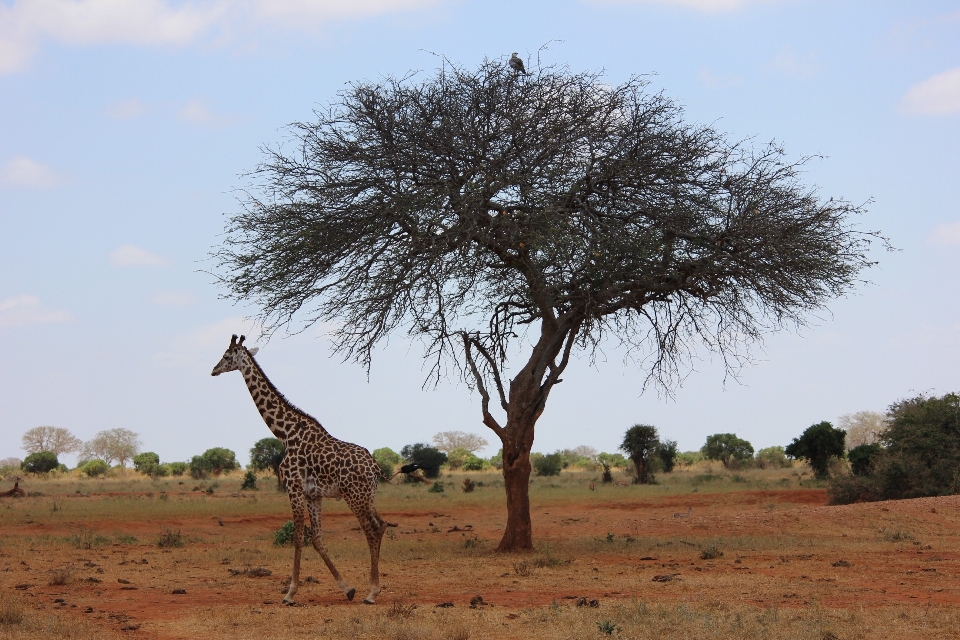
126 126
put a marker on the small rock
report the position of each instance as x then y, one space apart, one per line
123 581
476 601
666 577
841 563
179 592
444 605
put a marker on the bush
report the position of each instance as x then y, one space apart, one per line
146 462
200 467
497 461
94 468
40 462
817 445
215 461
614 460
547 465
177 468
429 458
284 535
862 457
437 487
773 458
249 481
921 456
388 459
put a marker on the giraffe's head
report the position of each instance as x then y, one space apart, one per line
233 356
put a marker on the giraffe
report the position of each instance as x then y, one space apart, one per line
316 465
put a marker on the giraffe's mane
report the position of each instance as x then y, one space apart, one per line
282 397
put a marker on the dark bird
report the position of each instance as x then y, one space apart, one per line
517 64
410 468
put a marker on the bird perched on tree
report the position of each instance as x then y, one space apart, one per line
517 64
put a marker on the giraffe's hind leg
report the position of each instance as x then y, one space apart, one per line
373 527
314 508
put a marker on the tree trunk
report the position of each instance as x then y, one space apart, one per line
518 536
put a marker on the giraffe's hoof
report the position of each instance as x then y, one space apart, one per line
289 603
368 601
351 593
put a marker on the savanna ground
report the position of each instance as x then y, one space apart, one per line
708 553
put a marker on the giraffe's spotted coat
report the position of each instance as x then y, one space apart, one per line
316 466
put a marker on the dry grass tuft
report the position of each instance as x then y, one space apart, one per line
399 609
11 611
60 577
523 569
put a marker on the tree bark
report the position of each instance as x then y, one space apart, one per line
518 536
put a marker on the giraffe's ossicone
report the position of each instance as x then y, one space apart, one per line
315 466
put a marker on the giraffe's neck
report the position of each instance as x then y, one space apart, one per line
281 417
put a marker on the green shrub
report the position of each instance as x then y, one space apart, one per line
146 463
177 468
861 458
388 459
249 481
40 462
547 465
200 467
773 458
219 460
94 468
284 535
436 488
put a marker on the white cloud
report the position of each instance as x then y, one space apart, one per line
196 112
795 65
129 255
718 81
125 109
26 24
704 6
24 310
205 344
26 172
936 96
171 298
945 234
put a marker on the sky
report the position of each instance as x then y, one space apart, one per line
126 128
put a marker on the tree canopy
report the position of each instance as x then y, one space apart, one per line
639 442
447 441
726 446
489 213
112 444
817 445
54 439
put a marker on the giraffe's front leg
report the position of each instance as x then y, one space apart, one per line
314 509
297 505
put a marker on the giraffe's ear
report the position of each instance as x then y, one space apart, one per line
253 351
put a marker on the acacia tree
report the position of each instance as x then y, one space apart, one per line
505 217
54 439
447 441
112 444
